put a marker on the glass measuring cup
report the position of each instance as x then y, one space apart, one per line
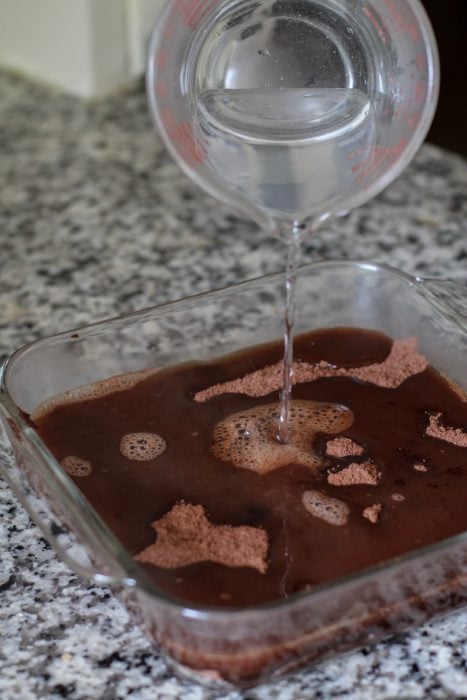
293 111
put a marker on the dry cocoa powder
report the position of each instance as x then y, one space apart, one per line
185 536
403 361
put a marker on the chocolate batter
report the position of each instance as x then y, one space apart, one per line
183 465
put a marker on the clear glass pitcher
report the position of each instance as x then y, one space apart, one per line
293 110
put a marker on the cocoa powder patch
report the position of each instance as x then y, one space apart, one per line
343 447
420 467
435 429
185 536
356 474
373 513
403 361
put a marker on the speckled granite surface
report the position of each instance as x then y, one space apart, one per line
95 220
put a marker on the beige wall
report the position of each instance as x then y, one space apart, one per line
86 47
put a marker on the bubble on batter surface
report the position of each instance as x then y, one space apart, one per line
248 439
142 447
398 497
75 466
331 510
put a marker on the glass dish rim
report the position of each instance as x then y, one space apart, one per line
141 580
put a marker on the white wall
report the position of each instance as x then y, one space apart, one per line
141 18
86 47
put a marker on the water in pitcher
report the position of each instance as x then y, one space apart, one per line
289 151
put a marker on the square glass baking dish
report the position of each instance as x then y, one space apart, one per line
238 646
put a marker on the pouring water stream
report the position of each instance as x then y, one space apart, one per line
291 276
289 153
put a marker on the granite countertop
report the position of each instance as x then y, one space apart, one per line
95 221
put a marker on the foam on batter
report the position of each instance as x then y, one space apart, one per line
89 392
75 466
248 439
331 510
142 447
